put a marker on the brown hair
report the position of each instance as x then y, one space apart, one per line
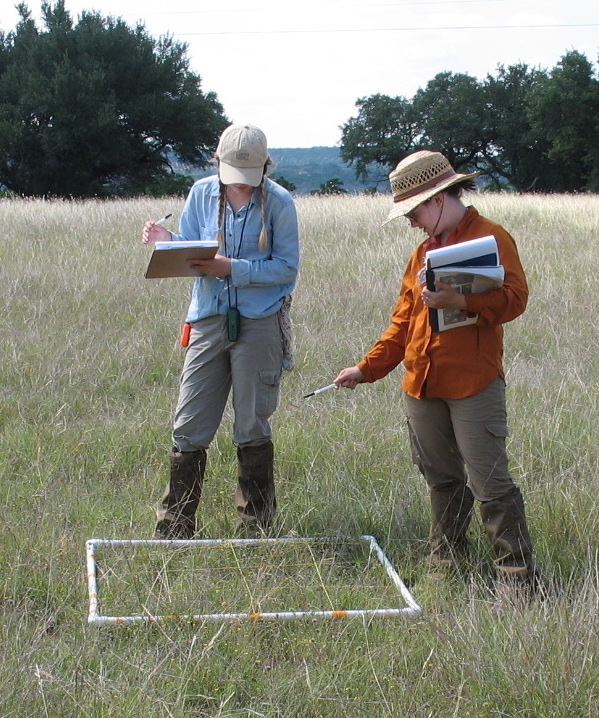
456 190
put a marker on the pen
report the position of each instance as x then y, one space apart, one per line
163 220
324 388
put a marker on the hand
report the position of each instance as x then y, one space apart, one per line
153 232
349 378
220 266
446 297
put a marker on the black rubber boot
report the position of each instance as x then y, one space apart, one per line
504 520
451 510
177 511
255 495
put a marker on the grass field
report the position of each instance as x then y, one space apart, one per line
88 382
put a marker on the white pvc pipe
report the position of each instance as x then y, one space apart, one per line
94 616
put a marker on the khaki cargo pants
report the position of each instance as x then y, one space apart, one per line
249 368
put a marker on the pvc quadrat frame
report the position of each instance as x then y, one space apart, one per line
410 609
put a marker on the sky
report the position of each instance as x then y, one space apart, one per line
295 68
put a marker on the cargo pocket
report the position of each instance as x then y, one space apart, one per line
414 447
498 429
268 392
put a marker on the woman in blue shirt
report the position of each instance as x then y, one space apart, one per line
238 341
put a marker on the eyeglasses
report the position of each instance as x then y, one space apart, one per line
411 216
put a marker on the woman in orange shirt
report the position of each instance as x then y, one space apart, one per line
454 380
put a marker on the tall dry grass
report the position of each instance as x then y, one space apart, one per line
88 379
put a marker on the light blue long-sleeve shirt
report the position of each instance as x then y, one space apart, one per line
259 278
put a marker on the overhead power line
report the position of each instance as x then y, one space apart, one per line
303 6
385 29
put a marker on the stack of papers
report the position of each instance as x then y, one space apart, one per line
469 267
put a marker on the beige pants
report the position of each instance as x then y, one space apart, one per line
462 440
250 368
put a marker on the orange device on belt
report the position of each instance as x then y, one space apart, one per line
185 332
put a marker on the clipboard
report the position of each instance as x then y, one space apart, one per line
169 259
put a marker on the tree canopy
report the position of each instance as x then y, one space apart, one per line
97 108
524 127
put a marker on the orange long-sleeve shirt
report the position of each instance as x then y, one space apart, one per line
458 362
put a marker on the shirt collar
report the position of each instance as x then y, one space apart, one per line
214 191
469 216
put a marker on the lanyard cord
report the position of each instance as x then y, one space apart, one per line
233 254
433 242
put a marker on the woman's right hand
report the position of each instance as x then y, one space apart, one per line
349 378
153 232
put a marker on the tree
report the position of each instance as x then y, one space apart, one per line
448 115
332 186
452 112
516 152
383 132
287 184
174 184
526 127
95 109
564 111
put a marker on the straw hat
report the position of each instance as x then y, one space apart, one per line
419 177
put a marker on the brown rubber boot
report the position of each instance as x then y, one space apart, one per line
255 495
504 520
177 509
451 510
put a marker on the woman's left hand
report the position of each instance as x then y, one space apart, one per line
220 266
446 297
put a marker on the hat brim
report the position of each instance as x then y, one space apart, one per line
405 206
240 175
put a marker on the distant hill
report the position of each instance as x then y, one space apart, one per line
308 168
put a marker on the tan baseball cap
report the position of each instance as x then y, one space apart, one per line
242 154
